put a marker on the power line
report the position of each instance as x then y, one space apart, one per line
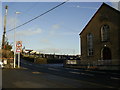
39 15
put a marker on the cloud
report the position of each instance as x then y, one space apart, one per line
11 21
45 41
29 32
68 33
54 29
52 50
25 33
86 7
114 0
58 51
119 6
115 3
78 6
56 26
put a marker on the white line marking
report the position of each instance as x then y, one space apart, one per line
87 74
67 68
115 78
74 72
82 73
25 68
53 69
97 71
90 74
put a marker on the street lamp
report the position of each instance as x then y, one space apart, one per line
15 37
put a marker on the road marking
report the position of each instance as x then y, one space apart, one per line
53 69
87 74
101 72
36 72
25 68
74 72
67 68
82 73
97 71
115 78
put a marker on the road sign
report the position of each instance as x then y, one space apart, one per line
18 43
18 49
18 46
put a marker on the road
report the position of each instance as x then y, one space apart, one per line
56 76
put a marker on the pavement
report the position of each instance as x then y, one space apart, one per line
23 78
55 76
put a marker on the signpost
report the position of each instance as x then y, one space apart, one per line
18 50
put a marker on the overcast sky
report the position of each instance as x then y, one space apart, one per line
55 32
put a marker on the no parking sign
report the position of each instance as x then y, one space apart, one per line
18 46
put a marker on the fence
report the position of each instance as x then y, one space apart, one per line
103 64
98 64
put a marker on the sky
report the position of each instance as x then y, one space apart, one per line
56 32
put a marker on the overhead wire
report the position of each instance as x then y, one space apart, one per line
39 15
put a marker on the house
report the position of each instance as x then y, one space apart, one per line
100 39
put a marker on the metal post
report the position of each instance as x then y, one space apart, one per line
14 38
14 43
19 60
14 55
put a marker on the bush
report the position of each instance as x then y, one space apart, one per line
6 54
40 60
54 61
31 59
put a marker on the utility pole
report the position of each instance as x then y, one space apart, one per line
4 33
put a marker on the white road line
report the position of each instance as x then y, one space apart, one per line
74 72
67 68
97 71
82 73
87 74
53 69
25 68
116 78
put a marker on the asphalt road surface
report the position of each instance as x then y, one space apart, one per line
56 76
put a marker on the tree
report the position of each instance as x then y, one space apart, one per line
7 46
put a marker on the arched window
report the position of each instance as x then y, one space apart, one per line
105 30
90 44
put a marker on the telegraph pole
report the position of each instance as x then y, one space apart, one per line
4 32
